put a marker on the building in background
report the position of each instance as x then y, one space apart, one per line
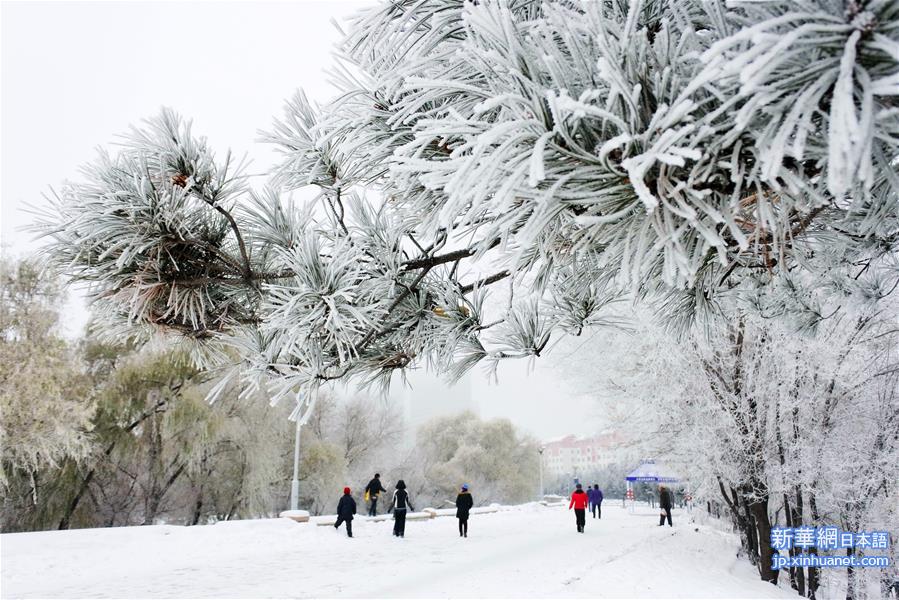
574 456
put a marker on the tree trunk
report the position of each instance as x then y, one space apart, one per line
851 592
797 519
154 470
813 576
739 520
759 510
752 534
198 508
66 520
788 516
792 514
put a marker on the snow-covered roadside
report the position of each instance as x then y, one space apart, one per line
531 551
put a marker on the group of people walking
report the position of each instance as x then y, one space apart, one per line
400 505
581 500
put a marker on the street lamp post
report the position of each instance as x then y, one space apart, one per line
295 482
305 406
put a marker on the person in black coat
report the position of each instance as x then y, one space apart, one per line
346 508
664 505
464 502
374 488
400 505
596 503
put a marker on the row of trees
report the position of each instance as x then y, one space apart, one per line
782 429
354 439
101 434
98 434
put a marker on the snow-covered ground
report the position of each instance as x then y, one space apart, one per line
528 551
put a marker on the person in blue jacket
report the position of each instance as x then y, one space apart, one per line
595 495
346 508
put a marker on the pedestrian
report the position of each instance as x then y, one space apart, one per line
596 501
346 508
579 503
372 490
664 505
400 504
590 498
464 502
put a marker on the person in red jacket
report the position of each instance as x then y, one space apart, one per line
579 503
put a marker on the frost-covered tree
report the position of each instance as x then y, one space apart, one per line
45 400
324 476
499 463
97 435
781 427
165 454
367 431
568 151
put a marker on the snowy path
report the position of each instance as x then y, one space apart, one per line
528 552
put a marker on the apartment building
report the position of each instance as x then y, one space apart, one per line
572 455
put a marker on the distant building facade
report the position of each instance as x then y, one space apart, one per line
574 456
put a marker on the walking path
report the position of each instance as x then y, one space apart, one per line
529 551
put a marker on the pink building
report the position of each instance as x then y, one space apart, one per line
571 455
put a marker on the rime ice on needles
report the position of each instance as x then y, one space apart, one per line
687 153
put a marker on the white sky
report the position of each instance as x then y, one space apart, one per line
76 74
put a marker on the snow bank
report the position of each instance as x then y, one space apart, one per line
300 516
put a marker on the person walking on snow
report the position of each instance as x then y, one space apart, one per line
579 503
591 499
664 505
399 506
372 490
464 502
595 501
346 508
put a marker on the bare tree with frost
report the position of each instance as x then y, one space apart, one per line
784 429
682 153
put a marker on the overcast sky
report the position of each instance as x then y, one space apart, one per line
76 74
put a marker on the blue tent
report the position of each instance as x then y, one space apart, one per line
650 472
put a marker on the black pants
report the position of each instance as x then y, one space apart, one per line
349 525
597 510
463 526
580 514
399 522
662 517
373 509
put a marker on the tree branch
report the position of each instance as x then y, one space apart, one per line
247 270
485 281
